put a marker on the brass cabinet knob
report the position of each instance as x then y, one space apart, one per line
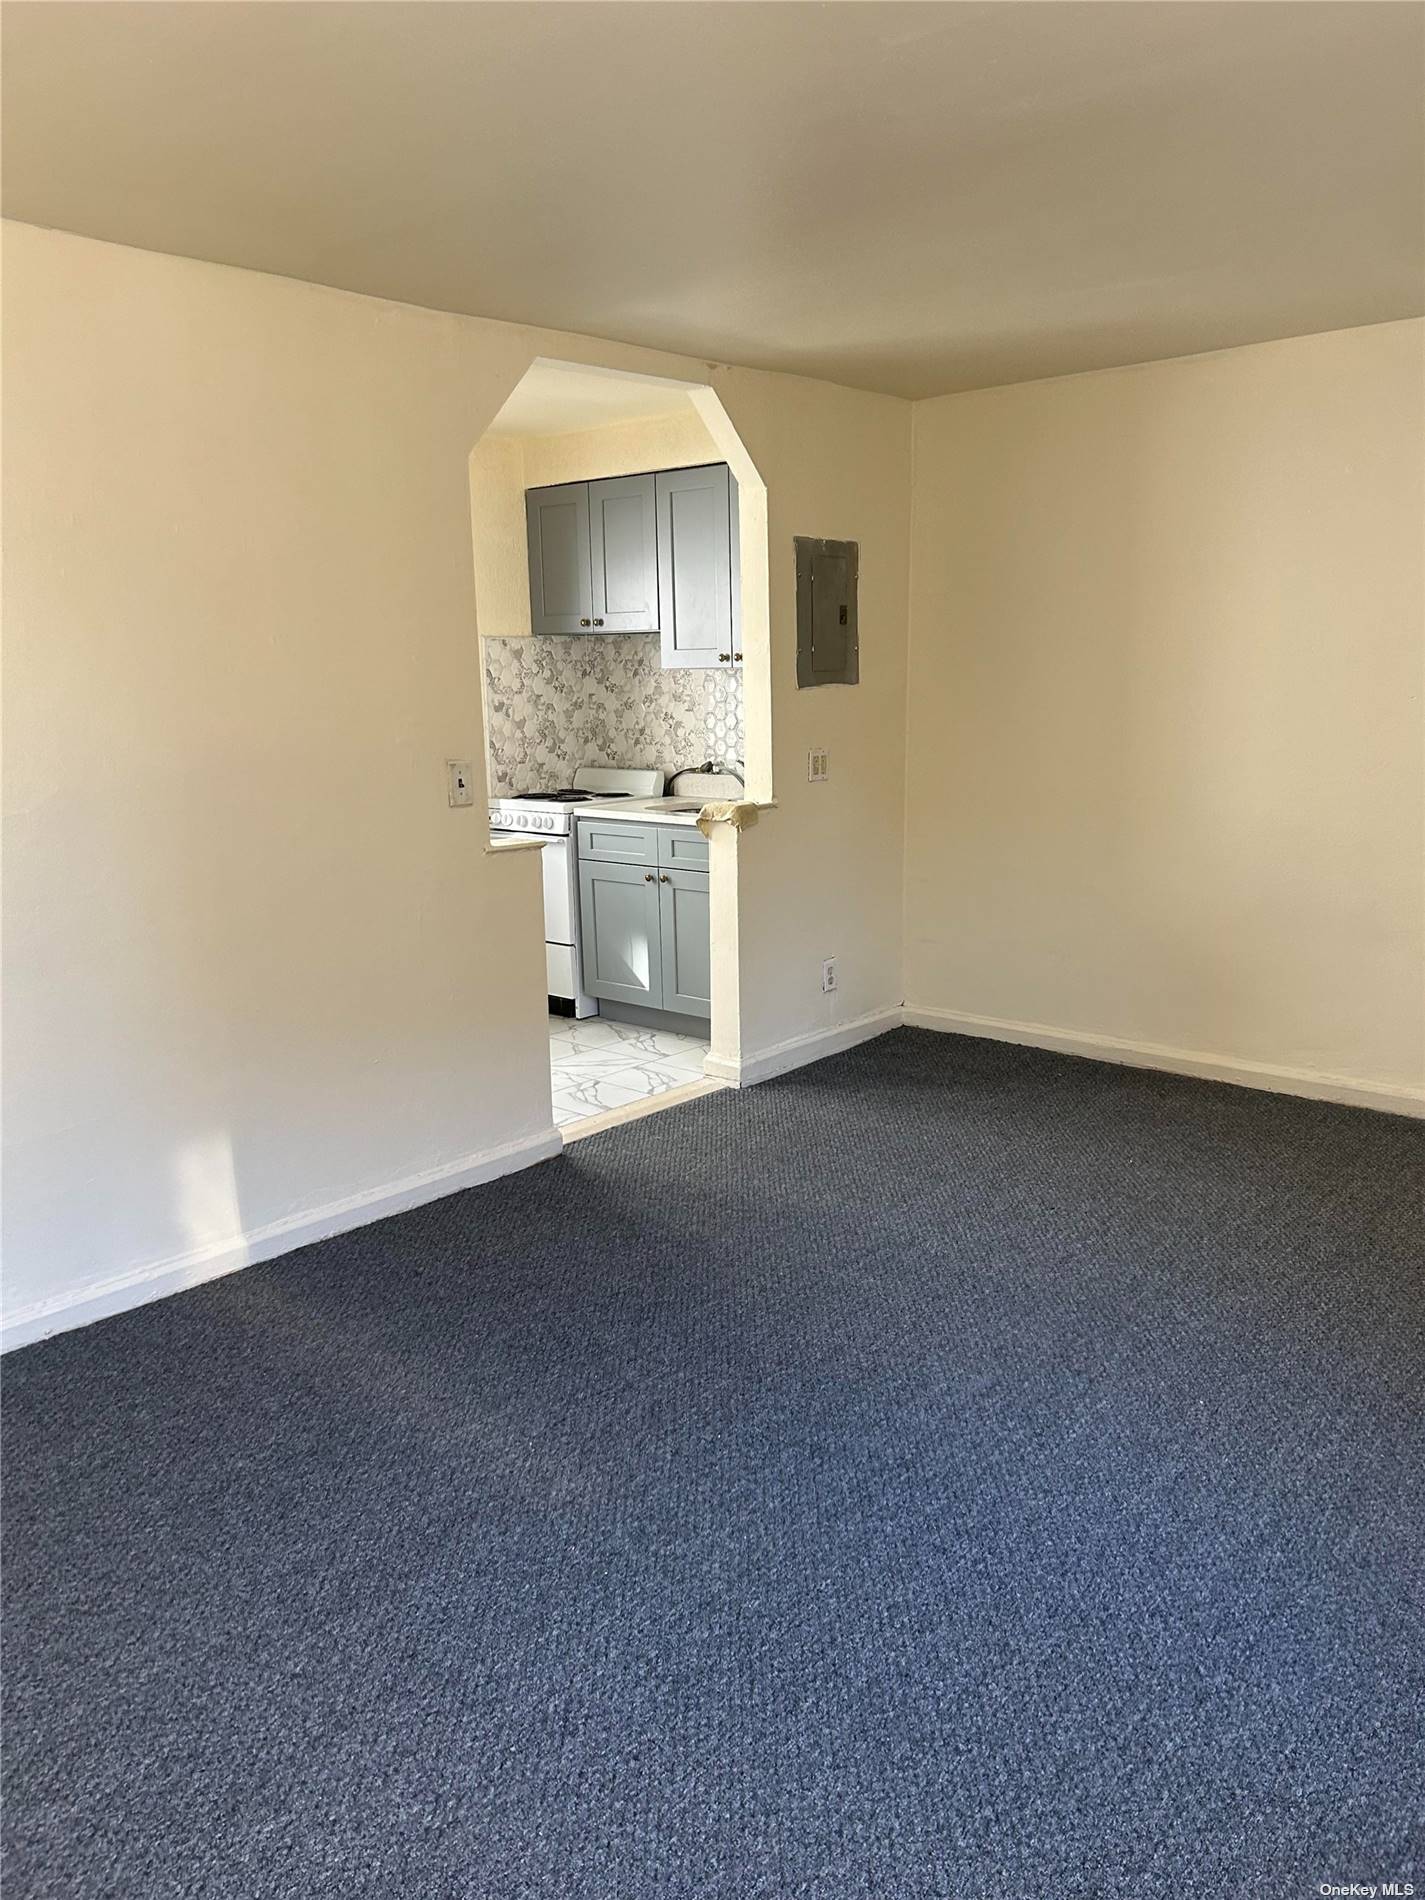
737 656
649 878
663 878
597 621
724 657
583 623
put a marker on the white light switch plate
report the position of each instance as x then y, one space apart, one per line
461 784
818 766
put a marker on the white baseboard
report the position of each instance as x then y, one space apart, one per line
799 1050
100 1298
1393 1098
117 1293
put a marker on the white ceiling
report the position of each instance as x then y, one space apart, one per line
910 197
561 398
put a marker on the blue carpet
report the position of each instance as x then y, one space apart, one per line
951 1471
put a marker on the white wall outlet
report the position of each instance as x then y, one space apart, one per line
461 782
828 976
818 765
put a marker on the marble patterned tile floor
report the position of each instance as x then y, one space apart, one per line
596 1065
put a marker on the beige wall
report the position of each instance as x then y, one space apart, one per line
1166 779
254 965
822 876
677 440
497 533
256 970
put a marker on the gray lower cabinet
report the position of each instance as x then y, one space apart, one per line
684 917
621 925
643 917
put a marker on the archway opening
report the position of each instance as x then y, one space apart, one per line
620 556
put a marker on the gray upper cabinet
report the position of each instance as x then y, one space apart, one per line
623 554
641 554
560 578
695 565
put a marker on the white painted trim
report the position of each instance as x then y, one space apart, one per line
799 1050
1393 1098
119 1292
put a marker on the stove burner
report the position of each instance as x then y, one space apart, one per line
568 796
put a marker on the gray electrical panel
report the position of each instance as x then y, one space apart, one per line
827 653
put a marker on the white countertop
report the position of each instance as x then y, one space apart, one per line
645 811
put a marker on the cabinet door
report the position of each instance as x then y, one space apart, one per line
618 914
687 954
623 543
695 565
560 591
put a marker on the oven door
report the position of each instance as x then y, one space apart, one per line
560 899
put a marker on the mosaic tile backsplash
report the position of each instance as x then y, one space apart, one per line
554 704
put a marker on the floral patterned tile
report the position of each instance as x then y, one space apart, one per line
555 704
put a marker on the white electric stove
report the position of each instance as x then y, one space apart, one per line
549 816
